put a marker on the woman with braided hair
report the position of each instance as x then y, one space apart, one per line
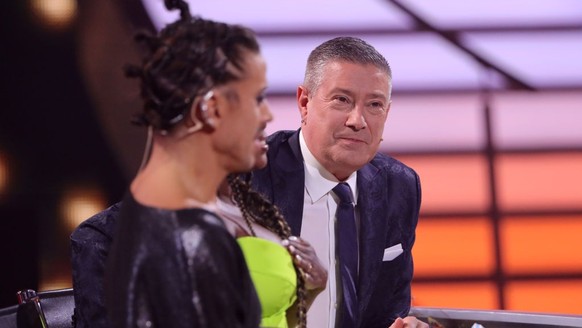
287 280
172 262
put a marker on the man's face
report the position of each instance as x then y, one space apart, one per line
344 118
244 115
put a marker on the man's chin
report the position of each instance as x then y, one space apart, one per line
355 159
342 167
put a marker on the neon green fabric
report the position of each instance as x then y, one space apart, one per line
272 272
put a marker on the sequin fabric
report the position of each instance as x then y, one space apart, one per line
177 269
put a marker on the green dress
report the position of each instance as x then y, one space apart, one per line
274 276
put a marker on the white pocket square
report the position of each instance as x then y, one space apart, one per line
392 252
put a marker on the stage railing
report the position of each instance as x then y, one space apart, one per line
467 318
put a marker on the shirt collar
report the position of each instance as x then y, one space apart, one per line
318 180
224 206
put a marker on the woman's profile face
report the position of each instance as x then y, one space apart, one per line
244 115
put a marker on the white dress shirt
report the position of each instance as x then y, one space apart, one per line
318 228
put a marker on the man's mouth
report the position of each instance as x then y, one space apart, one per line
352 139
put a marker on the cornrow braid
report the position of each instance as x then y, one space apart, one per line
257 209
181 5
185 60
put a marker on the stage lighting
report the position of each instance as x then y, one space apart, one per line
54 14
80 203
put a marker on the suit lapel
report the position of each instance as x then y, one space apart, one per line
289 179
372 229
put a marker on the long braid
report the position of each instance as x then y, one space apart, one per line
240 201
255 208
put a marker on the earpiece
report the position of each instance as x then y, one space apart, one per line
206 119
200 116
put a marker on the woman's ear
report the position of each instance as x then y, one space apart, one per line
208 111
203 113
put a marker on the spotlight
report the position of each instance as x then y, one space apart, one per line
78 204
55 14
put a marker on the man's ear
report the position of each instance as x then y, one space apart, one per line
302 101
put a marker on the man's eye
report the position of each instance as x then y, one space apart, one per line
376 107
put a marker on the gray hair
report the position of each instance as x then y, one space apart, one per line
348 49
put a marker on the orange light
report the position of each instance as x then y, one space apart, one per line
55 13
3 174
539 181
545 296
478 295
451 183
542 244
80 203
453 246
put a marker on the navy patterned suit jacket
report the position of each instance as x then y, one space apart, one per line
389 198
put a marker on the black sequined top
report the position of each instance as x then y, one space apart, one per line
177 269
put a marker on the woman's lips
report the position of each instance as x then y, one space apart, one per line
262 142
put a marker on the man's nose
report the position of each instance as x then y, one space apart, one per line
356 119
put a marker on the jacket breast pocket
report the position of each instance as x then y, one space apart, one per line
392 252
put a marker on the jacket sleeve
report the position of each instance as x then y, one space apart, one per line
90 244
88 264
403 296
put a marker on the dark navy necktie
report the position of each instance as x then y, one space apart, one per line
347 254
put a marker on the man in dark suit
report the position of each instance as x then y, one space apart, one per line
344 102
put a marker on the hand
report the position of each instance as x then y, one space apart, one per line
304 257
408 322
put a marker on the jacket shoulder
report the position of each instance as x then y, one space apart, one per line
279 136
391 166
100 227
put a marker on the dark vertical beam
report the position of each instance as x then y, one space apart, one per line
494 211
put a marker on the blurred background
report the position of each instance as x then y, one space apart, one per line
487 107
